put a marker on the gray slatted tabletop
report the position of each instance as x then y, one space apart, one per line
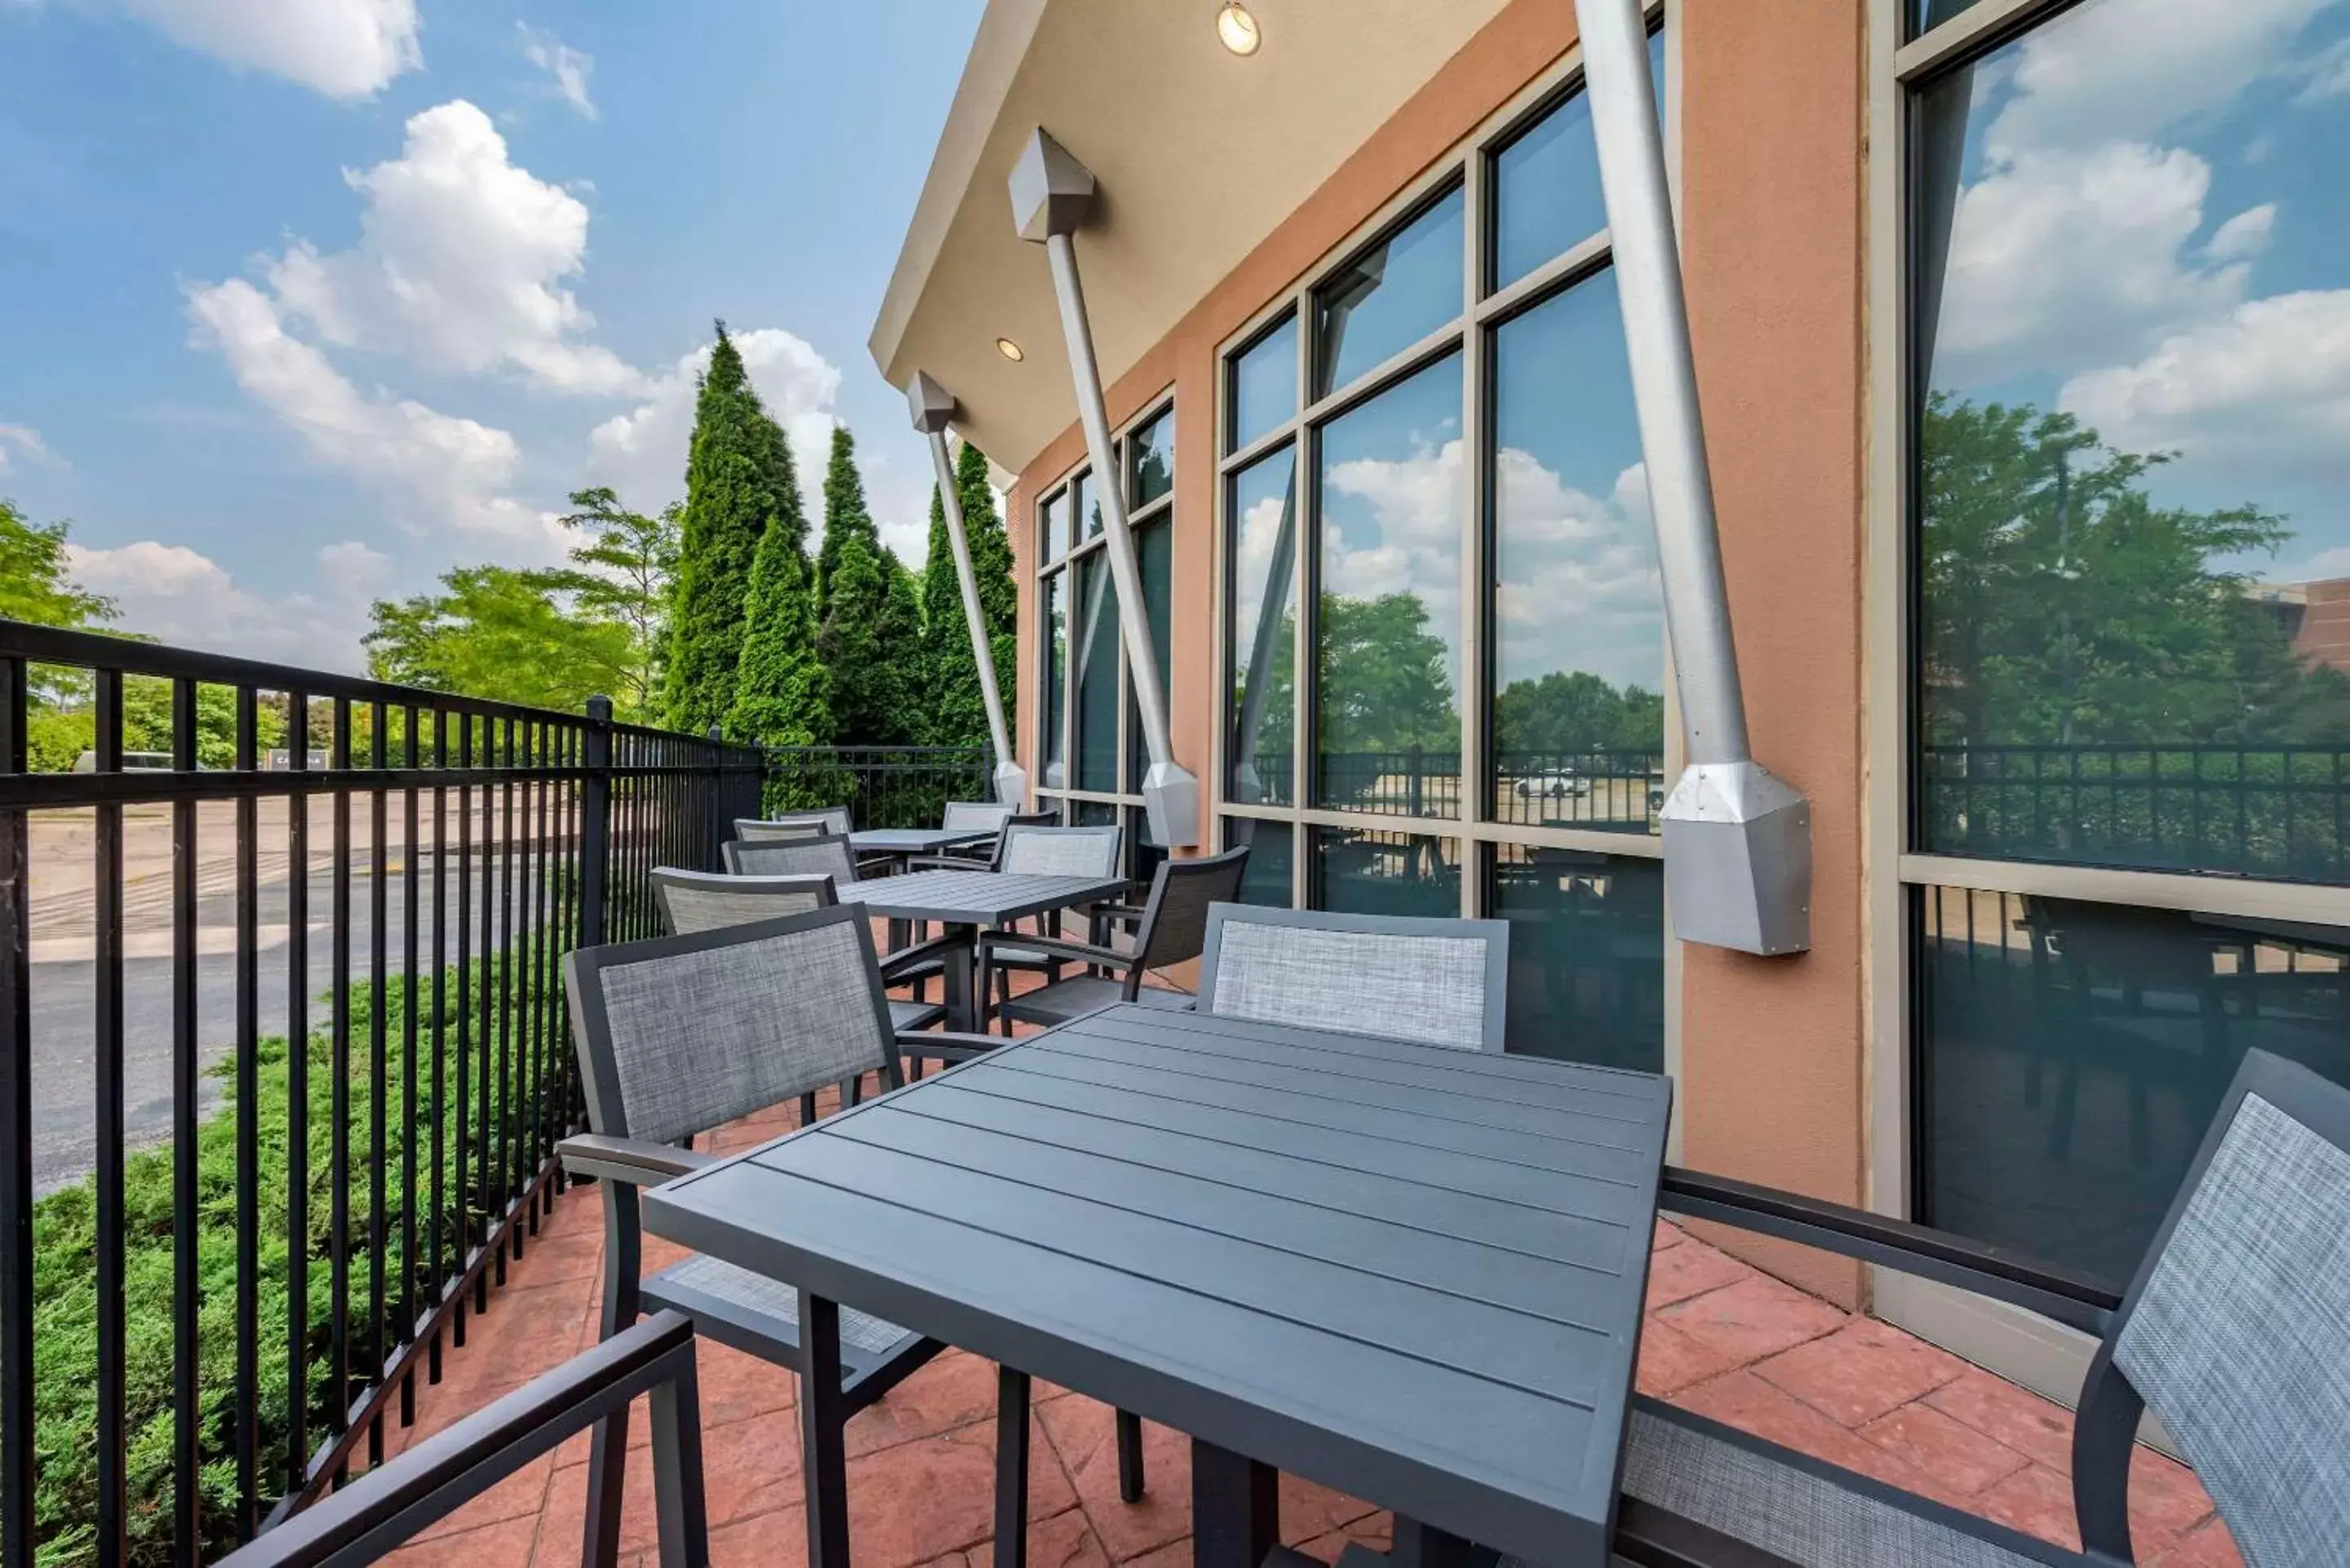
1412 1275
977 897
915 840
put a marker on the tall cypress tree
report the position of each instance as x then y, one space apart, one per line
739 487
955 713
782 694
845 511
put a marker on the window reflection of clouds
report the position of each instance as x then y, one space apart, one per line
1391 296
1261 695
2149 234
1575 583
1391 492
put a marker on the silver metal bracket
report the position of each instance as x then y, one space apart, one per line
1738 860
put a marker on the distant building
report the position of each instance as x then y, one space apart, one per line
2316 616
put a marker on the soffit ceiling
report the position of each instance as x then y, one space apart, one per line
1197 155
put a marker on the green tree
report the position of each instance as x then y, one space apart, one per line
782 693
869 618
1576 710
845 512
2064 607
952 710
1384 685
36 583
494 632
622 572
739 486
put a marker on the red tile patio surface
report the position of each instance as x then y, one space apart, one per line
1722 1338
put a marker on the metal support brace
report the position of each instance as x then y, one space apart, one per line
1051 193
934 409
1738 840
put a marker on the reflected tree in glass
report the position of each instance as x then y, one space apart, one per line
1095 651
1056 665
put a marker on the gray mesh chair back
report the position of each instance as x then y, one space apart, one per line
1175 919
827 854
681 1033
799 824
2236 1332
1438 983
705 901
976 815
1059 851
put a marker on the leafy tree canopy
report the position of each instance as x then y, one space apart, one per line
36 584
494 632
1576 710
783 695
621 572
1384 684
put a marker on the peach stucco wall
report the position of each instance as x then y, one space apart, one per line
1772 1083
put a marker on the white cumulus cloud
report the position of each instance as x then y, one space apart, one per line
641 453
438 470
343 48
189 600
24 441
2260 394
567 69
462 265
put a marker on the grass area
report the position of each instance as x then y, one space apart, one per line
65 1230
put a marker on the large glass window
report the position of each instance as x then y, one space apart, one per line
1367 871
1150 460
1538 746
1154 554
1586 953
1056 527
1578 639
1271 857
1547 197
1096 650
1389 296
1261 561
2132 292
1057 663
1264 384
2077 1053
1387 630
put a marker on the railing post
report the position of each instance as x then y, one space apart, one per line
721 802
16 1435
596 824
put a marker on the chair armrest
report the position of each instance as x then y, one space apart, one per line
944 862
1120 911
881 864
637 1161
2082 1301
946 1044
1076 952
896 963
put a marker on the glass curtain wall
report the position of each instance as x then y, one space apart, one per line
1434 506
2130 573
1094 747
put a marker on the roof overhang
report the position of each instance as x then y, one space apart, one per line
1200 155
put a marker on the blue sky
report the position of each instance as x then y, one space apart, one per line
305 301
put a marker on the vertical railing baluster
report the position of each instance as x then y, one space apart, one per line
462 1131
339 1068
18 1476
187 1478
485 1172
297 1091
505 1085
441 1272
379 1064
113 1525
248 1412
408 853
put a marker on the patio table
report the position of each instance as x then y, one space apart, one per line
966 901
903 842
1409 1273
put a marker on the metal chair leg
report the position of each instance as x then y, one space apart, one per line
1129 1457
1011 1468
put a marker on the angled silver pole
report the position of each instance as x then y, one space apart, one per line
1051 193
933 409
1738 840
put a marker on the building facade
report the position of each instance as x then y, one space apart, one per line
2023 337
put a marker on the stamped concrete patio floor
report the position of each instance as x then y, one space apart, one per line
1722 1338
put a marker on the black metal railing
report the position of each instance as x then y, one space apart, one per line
2276 812
883 786
201 1332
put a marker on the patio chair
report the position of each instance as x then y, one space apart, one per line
815 855
681 1033
989 853
1435 982
1173 929
2233 1334
971 816
705 901
366 1517
796 825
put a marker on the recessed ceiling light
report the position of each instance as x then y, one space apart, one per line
1009 349
1237 29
